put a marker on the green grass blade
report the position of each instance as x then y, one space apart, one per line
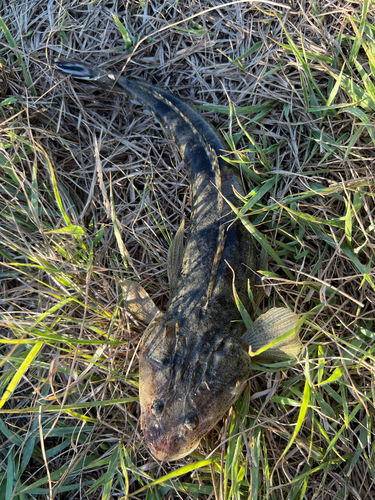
124 32
364 119
110 474
357 41
177 473
10 474
260 239
20 372
73 406
301 418
13 44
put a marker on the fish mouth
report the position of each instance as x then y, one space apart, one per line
165 447
165 453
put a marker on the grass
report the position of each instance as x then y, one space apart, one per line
91 192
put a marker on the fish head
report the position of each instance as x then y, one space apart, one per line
172 429
180 401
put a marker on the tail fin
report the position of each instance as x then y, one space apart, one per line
79 70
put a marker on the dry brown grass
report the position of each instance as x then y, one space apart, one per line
60 294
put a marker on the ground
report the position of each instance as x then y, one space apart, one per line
92 191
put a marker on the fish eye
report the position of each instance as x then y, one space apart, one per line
157 407
191 421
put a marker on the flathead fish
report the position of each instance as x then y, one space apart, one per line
194 357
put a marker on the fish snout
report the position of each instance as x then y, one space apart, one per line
160 449
166 446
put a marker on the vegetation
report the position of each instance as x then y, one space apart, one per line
91 193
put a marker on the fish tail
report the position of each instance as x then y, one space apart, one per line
87 73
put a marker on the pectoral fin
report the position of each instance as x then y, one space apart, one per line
175 256
274 335
138 302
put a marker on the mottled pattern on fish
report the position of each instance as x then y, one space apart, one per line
193 362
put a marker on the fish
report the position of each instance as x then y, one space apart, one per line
195 357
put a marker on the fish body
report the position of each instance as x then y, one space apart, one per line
194 360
